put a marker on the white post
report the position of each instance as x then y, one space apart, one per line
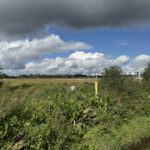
96 88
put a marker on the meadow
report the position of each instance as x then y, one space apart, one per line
45 114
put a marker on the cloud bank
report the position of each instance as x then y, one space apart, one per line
77 62
14 55
33 57
81 62
25 16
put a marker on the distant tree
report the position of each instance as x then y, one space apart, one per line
113 77
1 83
146 74
0 70
2 75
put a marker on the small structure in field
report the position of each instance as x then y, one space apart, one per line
73 88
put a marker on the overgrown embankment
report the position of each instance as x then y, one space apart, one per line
52 117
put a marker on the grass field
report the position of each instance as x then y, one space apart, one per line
45 114
51 80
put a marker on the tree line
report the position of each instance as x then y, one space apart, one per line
112 73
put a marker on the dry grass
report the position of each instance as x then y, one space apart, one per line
46 80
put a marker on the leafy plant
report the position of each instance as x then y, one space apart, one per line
146 74
112 78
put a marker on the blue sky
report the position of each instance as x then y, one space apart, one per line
114 42
126 47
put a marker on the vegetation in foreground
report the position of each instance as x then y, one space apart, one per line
52 117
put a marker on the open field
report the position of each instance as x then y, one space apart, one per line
51 80
45 114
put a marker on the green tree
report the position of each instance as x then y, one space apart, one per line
0 77
113 77
0 72
146 74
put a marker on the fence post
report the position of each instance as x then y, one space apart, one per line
96 88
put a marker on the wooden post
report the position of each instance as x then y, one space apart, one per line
96 88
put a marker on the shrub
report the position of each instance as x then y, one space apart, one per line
125 137
1 84
113 78
146 74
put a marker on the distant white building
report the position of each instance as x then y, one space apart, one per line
139 75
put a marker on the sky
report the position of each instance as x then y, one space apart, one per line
73 37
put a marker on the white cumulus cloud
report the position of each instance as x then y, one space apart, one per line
14 55
32 57
142 59
77 62
122 59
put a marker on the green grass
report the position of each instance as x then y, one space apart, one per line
123 137
52 117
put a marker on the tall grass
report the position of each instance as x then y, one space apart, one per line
52 117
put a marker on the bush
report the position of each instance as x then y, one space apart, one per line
125 137
113 78
1 84
146 74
